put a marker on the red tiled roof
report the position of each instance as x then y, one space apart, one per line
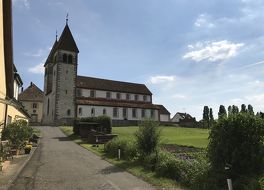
32 93
114 103
111 85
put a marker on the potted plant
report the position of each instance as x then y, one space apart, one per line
28 148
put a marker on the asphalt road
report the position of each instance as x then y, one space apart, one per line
59 163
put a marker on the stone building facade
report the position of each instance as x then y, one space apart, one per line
67 95
32 100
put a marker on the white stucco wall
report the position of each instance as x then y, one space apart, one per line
164 117
86 112
29 108
176 118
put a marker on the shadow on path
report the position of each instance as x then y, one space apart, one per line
111 169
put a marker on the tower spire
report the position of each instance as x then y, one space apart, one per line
56 35
67 18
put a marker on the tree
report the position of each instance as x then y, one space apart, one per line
229 110
222 112
243 108
250 109
206 116
235 109
148 137
237 140
211 117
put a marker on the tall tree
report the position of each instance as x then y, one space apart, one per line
222 112
229 110
243 108
250 109
235 109
206 115
211 117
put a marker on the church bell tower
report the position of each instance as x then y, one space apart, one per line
60 80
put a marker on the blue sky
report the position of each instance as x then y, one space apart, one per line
188 53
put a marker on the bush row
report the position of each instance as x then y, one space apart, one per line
163 163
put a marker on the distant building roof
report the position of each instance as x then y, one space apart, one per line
32 93
163 110
114 103
111 85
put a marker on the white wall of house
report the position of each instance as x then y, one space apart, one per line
16 89
86 111
36 110
176 118
102 94
164 117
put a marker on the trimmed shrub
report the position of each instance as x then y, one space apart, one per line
128 149
104 121
147 137
76 127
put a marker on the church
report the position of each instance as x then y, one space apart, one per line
68 95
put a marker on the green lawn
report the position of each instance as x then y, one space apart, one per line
171 135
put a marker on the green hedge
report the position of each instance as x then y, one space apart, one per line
128 149
104 121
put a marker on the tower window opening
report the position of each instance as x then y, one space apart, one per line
69 58
64 58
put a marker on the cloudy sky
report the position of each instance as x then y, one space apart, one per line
188 53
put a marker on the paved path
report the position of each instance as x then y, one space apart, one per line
58 163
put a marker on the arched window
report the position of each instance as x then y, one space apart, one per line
80 111
69 58
64 58
68 112
104 111
35 105
92 112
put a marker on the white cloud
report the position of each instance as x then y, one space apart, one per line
203 20
24 3
161 79
212 51
39 53
179 96
38 69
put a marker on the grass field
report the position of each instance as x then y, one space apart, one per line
171 135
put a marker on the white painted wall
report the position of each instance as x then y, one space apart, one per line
86 112
164 117
176 118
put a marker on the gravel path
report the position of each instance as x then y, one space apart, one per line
59 163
